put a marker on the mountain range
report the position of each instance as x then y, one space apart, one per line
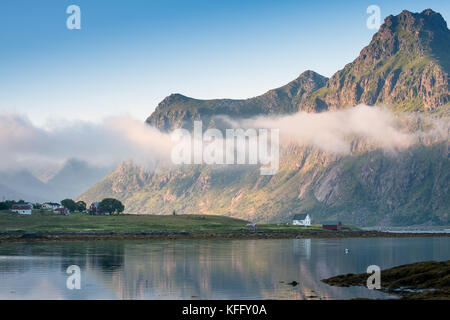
69 181
405 67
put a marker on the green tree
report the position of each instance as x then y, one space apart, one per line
4 206
37 206
81 206
69 204
174 213
111 205
7 204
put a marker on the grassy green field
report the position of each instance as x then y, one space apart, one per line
78 222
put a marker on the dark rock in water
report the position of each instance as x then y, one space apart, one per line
32 235
427 280
293 283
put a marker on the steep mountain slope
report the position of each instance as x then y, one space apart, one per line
370 188
405 67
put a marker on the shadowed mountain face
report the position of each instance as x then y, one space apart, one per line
405 67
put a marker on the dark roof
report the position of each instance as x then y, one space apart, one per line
301 216
21 207
330 223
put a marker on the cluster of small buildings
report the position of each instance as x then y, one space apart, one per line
303 219
50 206
57 208
27 208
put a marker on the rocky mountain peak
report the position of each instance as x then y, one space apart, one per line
174 98
412 32
405 66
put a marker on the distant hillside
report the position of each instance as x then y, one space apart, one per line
405 67
17 185
7 193
74 177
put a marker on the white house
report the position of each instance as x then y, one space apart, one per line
301 220
50 205
22 208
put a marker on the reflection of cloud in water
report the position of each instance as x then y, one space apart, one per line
34 282
207 269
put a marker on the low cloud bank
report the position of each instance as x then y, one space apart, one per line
122 138
334 131
113 140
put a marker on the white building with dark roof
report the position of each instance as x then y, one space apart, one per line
302 219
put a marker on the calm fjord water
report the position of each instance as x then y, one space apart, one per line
204 269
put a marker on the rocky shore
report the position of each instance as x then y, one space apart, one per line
165 235
428 280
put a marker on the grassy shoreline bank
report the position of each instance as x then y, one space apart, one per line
46 226
184 235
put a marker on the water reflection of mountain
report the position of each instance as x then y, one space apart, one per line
260 268
204 269
216 269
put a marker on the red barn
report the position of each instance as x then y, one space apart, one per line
332 225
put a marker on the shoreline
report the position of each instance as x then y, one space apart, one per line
201 235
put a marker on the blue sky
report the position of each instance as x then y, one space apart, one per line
129 55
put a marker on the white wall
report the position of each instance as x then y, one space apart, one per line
22 211
306 222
